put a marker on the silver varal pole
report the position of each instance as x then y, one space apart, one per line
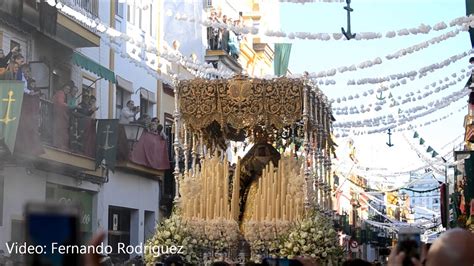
306 169
177 117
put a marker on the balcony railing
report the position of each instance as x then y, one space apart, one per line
91 6
66 129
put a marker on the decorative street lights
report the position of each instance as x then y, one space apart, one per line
133 133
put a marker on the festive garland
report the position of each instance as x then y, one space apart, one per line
395 101
390 122
345 132
412 74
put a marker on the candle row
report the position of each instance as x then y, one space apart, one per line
274 198
211 199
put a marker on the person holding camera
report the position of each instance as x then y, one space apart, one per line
128 113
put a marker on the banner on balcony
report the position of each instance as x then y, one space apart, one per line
11 97
282 58
106 150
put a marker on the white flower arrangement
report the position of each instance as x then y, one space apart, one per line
263 237
173 231
313 236
196 236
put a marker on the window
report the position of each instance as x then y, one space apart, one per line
435 201
122 97
151 20
119 8
130 13
140 13
208 3
147 101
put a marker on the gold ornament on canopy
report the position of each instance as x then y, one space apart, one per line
241 103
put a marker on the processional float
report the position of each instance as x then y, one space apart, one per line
256 171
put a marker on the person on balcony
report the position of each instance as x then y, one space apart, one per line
87 106
128 113
10 72
61 116
156 128
213 33
4 60
224 36
144 120
31 88
234 45
20 61
71 97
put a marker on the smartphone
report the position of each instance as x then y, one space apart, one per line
281 262
409 241
52 229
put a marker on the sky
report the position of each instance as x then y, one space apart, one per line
383 16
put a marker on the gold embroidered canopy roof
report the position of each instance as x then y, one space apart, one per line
241 103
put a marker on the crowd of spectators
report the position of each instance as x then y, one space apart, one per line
223 38
129 113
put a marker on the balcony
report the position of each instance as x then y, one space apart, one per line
55 137
142 151
61 27
223 50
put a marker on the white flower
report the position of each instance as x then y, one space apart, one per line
166 234
324 255
296 249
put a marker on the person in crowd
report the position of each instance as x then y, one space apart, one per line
144 120
356 262
71 97
4 60
454 247
61 116
10 72
128 113
213 33
234 45
87 106
157 128
31 88
224 36
174 260
25 76
20 61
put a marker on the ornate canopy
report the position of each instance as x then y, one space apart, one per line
240 103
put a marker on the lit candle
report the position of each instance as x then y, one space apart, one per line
274 196
259 199
236 188
277 209
288 207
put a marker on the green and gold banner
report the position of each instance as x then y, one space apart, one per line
11 97
106 150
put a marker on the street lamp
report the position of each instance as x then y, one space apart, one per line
133 133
